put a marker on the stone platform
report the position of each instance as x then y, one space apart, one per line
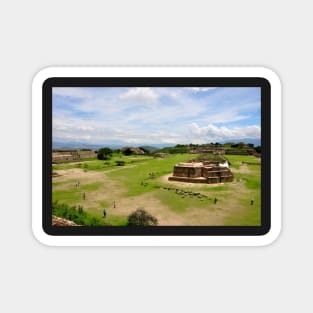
202 172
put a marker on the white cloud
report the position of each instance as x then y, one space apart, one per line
200 89
73 92
151 115
223 117
214 133
141 94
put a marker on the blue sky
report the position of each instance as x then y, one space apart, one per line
153 115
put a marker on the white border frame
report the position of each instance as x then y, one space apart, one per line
156 240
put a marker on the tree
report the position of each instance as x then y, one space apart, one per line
128 151
104 153
241 145
141 218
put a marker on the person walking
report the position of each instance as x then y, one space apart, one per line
104 212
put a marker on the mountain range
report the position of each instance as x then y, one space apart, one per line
81 145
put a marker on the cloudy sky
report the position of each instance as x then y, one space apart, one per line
114 115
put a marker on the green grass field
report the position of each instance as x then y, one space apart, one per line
143 183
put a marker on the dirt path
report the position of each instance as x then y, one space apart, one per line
106 191
165 216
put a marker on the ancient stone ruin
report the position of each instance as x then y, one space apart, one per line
202 172
74 155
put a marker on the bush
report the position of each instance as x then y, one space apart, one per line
174 150
128 151
76 214
104 153
120 163
141 218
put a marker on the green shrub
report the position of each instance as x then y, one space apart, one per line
174 150
128 151
104 154
120 163
141 218
76 214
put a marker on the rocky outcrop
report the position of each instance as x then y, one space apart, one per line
59 221
132 150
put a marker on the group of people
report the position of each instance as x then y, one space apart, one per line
104 212
77 185
251 201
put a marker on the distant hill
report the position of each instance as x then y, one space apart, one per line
70 145
132 150
73 145
256 142
148 149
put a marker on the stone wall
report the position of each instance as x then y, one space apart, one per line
217 174
72 155
62 157
236 152
184 171
86 154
